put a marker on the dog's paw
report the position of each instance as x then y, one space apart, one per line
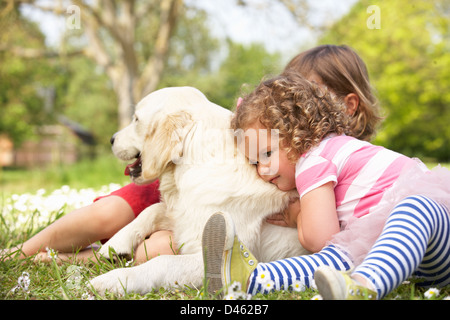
115 249
116 281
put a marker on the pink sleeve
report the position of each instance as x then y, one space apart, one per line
314 172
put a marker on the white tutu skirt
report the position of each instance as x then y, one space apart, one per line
360 234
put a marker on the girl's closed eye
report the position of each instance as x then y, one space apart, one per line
263 157
266 155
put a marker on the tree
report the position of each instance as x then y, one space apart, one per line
241 70
409 64
129 39
82 89
111 29
22 80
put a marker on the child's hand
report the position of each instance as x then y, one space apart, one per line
288 218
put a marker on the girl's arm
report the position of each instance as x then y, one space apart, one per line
317 221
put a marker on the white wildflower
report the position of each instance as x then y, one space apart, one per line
263 277
235 287
52 254
87 296
431 293
235 292
38 209
23 282
75 277
237 296
230 296
269 285
298 286
317 297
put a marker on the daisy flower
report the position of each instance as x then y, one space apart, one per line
22 283
269 285
317 297
235 287
298 286
230 296
431 293
237 296
52 254
87 296
235 292
263 277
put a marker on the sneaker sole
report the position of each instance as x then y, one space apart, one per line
213 244
329 284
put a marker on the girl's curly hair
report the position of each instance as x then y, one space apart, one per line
301 111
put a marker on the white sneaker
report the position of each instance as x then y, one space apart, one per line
338 285
226 259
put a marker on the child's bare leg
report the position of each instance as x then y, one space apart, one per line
84 255
81 227
159 243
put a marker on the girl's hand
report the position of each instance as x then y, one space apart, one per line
288 218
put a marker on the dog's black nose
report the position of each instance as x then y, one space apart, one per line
113 138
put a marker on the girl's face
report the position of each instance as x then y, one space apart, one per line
262 149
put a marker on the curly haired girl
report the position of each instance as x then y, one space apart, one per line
348 189
305 116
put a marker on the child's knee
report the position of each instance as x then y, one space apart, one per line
109 215
159 243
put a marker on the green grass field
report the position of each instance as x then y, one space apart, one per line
31 200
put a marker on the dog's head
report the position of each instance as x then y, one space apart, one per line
154 139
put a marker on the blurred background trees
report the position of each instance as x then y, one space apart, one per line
409 63
121 50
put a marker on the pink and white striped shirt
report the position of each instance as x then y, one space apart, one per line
361 173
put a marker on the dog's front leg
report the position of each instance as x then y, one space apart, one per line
129 237
167 271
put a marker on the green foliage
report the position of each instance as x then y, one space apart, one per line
88 99
409 64
408 59
241 70
21 79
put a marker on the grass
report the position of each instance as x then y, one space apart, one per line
67 280
84 174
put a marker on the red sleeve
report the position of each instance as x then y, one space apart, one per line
138 197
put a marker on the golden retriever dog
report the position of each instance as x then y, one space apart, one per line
184 140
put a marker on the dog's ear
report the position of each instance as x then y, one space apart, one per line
164 143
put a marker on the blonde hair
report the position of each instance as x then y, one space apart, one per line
341 70
302 112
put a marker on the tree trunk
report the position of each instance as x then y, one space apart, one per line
125 98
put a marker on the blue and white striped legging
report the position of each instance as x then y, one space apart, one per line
415 241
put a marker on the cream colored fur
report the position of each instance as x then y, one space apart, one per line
184 141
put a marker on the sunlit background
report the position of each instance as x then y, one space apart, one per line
71 72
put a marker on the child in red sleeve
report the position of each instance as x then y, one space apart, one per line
99 221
